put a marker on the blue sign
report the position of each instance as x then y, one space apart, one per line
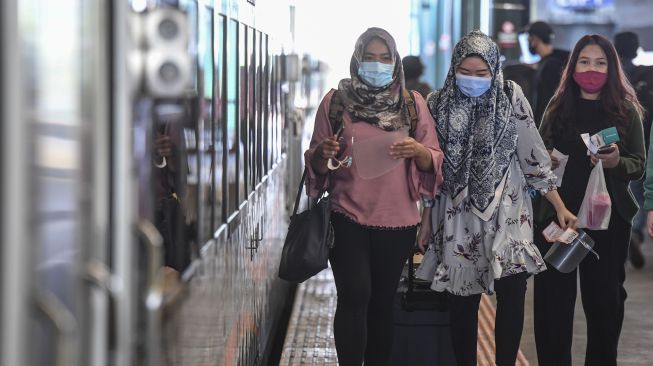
584 4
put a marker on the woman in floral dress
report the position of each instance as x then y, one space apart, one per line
481 225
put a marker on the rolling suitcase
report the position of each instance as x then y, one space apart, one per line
421 324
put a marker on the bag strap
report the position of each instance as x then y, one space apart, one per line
299 193
412 111
336 109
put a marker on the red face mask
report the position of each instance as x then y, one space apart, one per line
591 81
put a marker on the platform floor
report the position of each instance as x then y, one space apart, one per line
636 342
309 339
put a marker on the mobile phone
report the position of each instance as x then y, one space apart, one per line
606 149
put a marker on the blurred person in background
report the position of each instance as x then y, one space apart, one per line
641 78
413 70
549 69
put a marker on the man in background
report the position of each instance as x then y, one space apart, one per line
641 78
549 69
413 69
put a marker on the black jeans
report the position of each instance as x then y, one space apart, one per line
602 293
367 265
463 310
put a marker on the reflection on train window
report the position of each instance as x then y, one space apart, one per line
205 131
267 138
251 110
54 54
273 103
251 105
235 169
260 134
220 141
242 110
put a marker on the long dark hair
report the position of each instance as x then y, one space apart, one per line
616 90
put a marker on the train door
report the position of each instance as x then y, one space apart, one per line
166 159
55 212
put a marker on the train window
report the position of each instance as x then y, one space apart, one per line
273 106
233 166
266 103
260 135
251 106
245 170
221 164
204 128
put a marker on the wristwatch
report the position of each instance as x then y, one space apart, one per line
428 202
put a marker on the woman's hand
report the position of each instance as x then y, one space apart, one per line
423 237
425 231
325 150
408 148
163 146
610 159
565 218
555 163
649 223
328 148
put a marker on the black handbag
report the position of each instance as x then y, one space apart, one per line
308 241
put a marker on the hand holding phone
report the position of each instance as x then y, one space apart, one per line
606 149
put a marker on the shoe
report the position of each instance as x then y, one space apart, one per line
635 253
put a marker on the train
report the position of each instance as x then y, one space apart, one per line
151 151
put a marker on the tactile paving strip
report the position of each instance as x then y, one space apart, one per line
309 339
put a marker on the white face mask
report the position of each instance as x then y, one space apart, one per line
473 86
376 74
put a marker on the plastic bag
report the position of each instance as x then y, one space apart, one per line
594 213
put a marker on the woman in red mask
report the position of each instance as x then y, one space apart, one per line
593 95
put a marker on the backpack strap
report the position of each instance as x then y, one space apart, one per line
337 108
412 110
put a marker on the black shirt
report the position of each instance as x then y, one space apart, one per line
589 118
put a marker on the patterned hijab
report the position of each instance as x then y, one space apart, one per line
477 135
383 107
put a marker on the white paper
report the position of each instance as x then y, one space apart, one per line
560 170
589 142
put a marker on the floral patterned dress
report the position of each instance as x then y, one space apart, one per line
471 252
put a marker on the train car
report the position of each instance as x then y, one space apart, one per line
148 152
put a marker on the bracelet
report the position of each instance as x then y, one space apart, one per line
163 164
427 202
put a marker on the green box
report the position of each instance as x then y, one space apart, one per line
609 135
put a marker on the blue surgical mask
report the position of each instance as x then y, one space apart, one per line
376 74
473 86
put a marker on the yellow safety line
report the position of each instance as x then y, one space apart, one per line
486 345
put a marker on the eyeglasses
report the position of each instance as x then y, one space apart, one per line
346 162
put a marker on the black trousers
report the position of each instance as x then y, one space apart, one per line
367 265
602 293
463 312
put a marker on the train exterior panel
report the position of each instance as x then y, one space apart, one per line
149 169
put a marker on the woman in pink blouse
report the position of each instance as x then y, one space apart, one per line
379 167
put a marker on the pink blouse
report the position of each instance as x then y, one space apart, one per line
386 201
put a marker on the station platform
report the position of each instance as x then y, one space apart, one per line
309 338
